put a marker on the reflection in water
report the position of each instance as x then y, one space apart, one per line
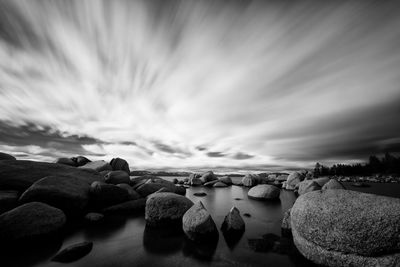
107 228
203 251
162 240
232 238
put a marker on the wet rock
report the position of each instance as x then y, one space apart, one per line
5 156
119 164
219 184
208 177
333 184
66 161
247 215
93 217
233 223
30 222
250 180
286 228
105 195
21 174
211 183
198 224
66 193
347 228
308 186
166 209
133 195
8 200
73 252
226 180
131 207
99 165
264 192
200 194
117 177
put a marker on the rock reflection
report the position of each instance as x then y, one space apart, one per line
163 240
203 251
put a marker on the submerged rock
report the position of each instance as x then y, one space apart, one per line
99 166
165 209
118 164
66 193
347 228
117 177
198 224
73 252
200 194
264 192
333 184
5 156
30 222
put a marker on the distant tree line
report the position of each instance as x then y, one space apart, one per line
388 164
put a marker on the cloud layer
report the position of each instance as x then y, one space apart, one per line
197 83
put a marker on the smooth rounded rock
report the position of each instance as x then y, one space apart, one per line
165 209
226 180
132 193
333 184
117 177
264 192
120 164
104 195
99 165
347 228
208 176
308 186
294 179
250 180
81 160
219 184
211 183
198 224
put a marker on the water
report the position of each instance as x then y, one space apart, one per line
129 243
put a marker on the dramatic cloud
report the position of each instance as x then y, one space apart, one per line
238 84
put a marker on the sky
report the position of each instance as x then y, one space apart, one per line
200 84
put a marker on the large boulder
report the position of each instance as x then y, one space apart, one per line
264 192
127 208
165 209
347 228
66 193
8 200
194 179
308 186
208 176
153 185
5 156
66 161
333 184
117 177
250 180
198 224
226 180
104 195
233 222
30 222
294 179
99 165
21 174
73 252
119 164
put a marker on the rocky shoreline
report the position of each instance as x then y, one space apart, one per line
330 225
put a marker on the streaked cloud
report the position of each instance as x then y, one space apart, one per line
240 84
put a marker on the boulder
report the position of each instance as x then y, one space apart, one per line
93 217
294 179
166 209
347 228
105 195
264 192
119 164
66 161
233 222
126 208
194 179
175 181
117 177
150 187
321 181
5 156
8 200
308 186
30 222
73 252
211 183
80 160
180 190
133 195
198 224
99 165
250 180
21 174
226 180
207 177
219 184
281 178
66 193
236 182
333 184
